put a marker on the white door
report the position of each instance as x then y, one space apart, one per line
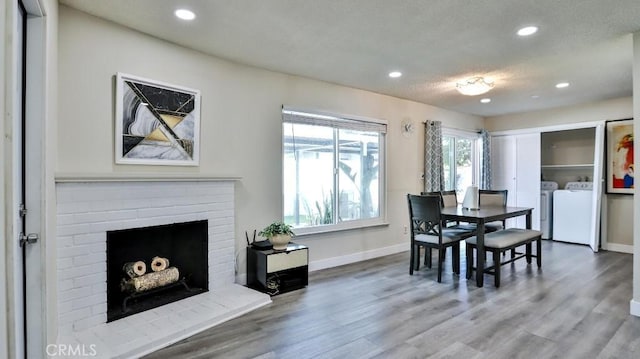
32 174
528 177
515 166
16 216
598 182
503 166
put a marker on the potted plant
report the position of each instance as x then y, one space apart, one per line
279 234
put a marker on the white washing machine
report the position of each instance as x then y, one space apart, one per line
572 212
546 208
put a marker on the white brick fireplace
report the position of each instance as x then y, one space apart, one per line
87 209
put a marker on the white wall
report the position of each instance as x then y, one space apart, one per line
240 126
594 111
619 207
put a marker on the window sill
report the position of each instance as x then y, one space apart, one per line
307 231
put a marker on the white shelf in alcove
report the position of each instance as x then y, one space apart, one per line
574 166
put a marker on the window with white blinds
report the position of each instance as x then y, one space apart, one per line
333 171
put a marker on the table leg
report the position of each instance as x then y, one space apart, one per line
481 255
528 220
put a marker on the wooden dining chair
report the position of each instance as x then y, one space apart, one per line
447 199
497 198
428 230
450 199
492 197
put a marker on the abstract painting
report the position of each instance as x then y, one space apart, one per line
156 123
620 166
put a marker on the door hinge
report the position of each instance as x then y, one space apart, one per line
22 211
30 238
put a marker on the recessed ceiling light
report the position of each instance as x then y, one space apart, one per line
562 85
394 74
527 31
185 14
485 100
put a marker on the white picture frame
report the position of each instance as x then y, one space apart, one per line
156 123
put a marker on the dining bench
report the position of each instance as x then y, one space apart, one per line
501 241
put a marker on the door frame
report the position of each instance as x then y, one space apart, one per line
11 292
37 81
12 300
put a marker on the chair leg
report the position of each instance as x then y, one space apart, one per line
427 257
513 253
411 259
496 268
539 252
441 253
528 252
456 258
469 255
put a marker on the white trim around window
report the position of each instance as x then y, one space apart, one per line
334 175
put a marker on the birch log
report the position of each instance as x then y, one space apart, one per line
134 269
159 264
150 280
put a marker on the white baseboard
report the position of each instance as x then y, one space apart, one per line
622 248
241 278
634 308
357 257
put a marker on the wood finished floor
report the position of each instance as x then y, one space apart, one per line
576 306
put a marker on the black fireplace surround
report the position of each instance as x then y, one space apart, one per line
184 244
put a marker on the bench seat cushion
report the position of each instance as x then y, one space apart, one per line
506 238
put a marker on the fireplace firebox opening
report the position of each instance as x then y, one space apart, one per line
153 266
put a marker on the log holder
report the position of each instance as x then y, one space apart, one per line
181 282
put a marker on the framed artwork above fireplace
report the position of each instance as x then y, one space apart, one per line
156 123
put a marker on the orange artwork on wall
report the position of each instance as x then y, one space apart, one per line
620 162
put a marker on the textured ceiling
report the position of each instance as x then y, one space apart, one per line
434 43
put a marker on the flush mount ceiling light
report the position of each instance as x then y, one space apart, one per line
527 31
474 86
185 14
395 74
562 85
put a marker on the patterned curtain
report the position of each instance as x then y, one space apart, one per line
485 166
433 163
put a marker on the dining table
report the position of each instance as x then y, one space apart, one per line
480 217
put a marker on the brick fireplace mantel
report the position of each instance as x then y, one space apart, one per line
66 177
89 206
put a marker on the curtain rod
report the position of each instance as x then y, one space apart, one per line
459 129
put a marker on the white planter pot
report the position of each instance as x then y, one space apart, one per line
280 241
